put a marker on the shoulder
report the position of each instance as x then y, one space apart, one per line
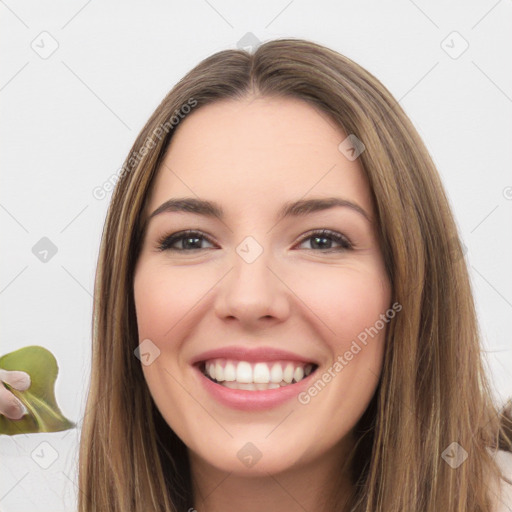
504 495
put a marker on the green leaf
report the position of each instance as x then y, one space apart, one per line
43 413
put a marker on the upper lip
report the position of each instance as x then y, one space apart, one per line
259 354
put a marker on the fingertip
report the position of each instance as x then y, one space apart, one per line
15 410
23 409
25 381
17 379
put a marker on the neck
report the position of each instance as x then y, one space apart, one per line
312 487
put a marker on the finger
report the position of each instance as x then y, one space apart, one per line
17 379
10 406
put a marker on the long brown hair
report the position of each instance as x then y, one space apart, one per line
433 389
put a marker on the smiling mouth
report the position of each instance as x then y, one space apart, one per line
255 376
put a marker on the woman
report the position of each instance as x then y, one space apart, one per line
241 361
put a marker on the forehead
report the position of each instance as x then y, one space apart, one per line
255 152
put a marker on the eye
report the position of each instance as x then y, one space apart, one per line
189 241
322 239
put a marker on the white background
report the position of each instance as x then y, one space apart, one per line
68 122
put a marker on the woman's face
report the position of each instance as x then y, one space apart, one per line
255 297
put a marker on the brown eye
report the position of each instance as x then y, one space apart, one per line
324 239
183 241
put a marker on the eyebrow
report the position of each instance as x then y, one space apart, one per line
298 208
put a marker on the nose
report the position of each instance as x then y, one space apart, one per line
253 294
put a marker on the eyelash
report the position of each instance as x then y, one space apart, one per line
165 242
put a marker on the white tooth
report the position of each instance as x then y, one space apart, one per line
210 369
230 385
288 373
247 386
261 373
298 374
307 369
276 373
283 383
229 372
244 372
219 372
251 386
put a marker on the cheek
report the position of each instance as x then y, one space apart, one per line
350 302
162 301
345 300
163 298
361 303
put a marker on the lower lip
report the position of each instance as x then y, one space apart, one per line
258 400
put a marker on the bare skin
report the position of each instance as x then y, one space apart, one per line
10 406
251 156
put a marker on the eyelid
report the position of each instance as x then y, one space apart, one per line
172 237
168 239
338 237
